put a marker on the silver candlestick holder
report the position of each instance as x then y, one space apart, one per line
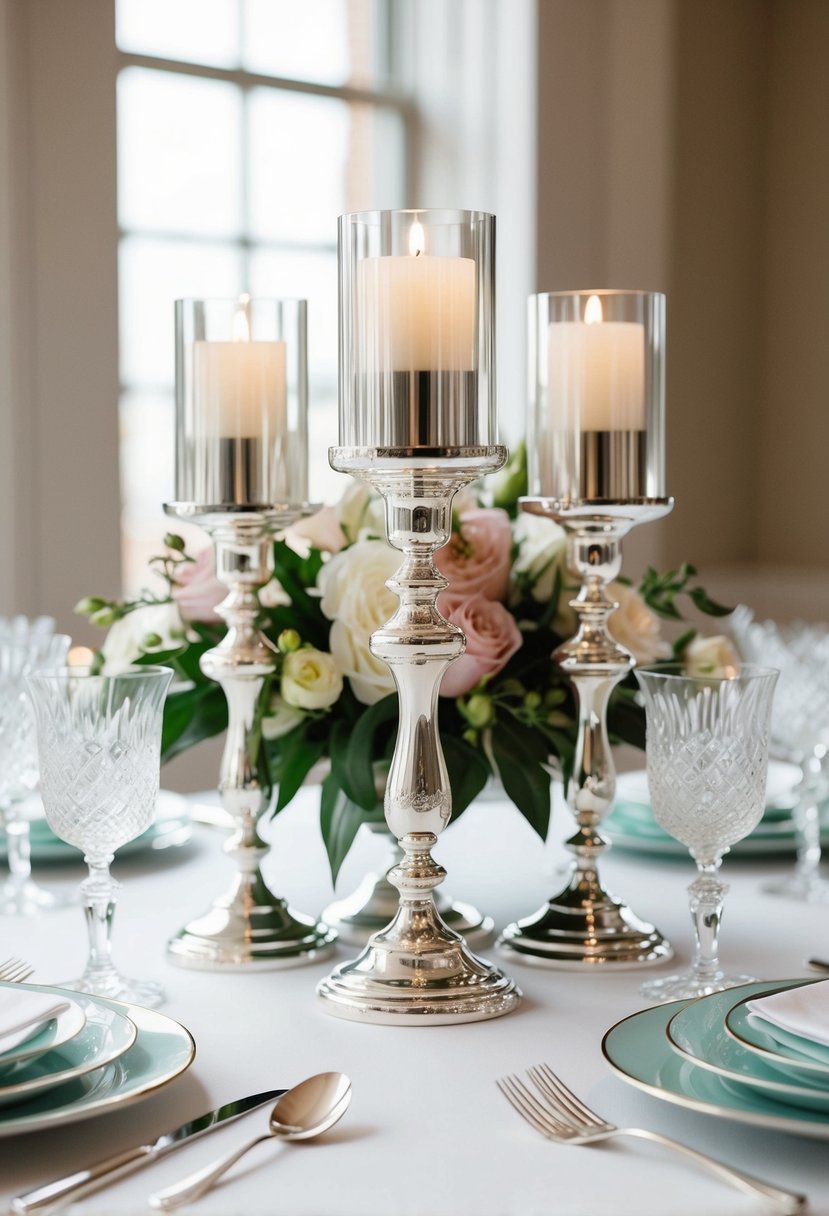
596 456
241 475
417 969
417 421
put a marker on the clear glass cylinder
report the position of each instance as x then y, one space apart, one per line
596 427
241 402
417 330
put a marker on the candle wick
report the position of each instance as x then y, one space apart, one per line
418 253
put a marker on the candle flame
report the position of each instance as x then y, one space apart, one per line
80 656
593 312
240 326
417 240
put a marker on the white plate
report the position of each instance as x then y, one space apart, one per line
59 1030
162 1051
638 1051
633 786
172 827
107 1034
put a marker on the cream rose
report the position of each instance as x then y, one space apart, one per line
713 656
357 601
310 679
477 558
492 638
126 640
634 626
321 530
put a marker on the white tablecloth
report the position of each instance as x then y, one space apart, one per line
428 1133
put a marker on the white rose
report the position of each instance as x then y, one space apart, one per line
356 599
310 679
272 595
634 626
542 551
280 719
321 530
125 641
361 513
714 656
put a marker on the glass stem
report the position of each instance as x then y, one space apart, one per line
707 894
99 892
18 852
807 819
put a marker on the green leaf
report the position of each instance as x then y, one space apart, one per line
468 772
681 642
520 754
626 719
355 747
191 716
340 820
296 759
705 604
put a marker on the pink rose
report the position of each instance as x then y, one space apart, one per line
477 559
492 638
197 590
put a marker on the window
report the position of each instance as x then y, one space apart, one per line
244 128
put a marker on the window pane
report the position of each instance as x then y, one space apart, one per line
312 158
327 41
197 31
152 274
312 277
179 147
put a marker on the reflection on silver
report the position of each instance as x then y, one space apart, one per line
248 926
417 970
583 924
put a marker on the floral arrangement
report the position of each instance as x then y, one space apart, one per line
506 709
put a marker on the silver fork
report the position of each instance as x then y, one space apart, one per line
559 1115
15 971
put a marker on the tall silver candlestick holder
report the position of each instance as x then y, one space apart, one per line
596 456
416 420
241 475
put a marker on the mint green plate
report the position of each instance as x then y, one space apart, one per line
698 1032
162 1051
781 1050
638 1051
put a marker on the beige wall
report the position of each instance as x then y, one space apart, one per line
684 146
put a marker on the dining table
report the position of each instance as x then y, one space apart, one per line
427 1133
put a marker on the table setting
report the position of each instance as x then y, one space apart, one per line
452 659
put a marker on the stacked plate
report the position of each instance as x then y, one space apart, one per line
171 827
79 1055
715 1055
631 824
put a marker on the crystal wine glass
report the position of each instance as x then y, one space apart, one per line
23 649
707 758
99 738
799 732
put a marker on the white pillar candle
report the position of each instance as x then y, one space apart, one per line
597 372
416 313
239 387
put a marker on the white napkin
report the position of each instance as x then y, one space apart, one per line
801 1011
24 1014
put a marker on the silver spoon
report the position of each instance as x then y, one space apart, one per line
304 1111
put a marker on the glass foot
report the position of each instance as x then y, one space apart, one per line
27 899
686 986
116 987
807 888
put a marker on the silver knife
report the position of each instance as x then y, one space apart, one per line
82 1182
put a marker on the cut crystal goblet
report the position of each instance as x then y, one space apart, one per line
99 738
707 758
